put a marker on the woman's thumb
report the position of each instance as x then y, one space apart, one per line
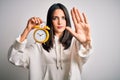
71 30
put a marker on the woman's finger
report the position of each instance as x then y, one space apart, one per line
85 18
71 31
73 17
40 20
76 15
79 16
32 20
36 20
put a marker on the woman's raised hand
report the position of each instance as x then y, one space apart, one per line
82 28
32 22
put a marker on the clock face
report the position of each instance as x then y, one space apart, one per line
40 35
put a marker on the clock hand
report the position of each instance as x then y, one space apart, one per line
40 34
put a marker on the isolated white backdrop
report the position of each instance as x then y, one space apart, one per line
103 16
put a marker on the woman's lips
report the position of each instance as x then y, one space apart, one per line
59 27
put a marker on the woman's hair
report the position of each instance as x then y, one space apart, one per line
66 38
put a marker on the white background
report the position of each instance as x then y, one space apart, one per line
103 16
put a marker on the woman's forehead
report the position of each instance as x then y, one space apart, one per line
58 12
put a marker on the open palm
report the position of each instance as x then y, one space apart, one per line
82 28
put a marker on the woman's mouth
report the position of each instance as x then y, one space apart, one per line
59 27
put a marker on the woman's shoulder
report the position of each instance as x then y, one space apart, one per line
35 46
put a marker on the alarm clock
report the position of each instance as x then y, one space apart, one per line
41 34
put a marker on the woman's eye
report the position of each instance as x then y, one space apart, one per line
54 18
63 18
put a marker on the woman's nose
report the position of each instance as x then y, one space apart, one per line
59 21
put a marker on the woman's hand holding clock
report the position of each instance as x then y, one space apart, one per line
32 22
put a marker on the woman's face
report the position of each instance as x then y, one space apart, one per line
58 21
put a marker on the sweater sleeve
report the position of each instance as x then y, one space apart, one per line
83 51
18 54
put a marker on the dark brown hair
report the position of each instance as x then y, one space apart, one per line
66 37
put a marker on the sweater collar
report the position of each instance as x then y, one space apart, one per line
59 52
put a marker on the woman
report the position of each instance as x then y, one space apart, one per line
63 55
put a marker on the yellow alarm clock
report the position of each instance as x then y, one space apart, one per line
41 34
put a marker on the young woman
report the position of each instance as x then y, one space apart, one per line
63 55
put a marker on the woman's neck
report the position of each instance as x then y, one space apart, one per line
58 35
